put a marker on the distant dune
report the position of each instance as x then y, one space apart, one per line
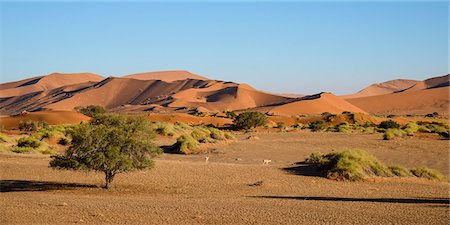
315 104
51 117
185 92
167 76
408 102
44 83
387 87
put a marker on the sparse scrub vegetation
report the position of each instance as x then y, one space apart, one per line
428 173
32 126
91 110
357 165
318 125
165 129
186 144
393 133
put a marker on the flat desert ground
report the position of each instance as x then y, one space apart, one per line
234 187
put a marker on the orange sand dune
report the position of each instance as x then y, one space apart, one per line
167 76
434 82
44 83
383 88
407 102
315 104
51 117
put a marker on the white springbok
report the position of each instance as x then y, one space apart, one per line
266 161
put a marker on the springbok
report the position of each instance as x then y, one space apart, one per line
266 161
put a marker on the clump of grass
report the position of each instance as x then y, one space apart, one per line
350 165
368 130
315 157
411 128
4 138
399 171
428 173
201 134
165 129
392 133
229 136
182 126
387 124
186 144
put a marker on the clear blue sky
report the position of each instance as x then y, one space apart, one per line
290 47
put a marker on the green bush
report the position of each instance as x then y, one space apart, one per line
230 114
428 173
91 110
17 149
369 130
432 115
63 141
201 134
249 120
186 144
390 134
182 126
387 124
31 126
28 142
399 171
318 125
350 165
229 136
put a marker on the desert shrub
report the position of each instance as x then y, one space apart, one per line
392 116
411 128
318 125
91 110
281 126
216 133
230 114
428 173
399 171
432 115
249 120
390 134
165 129
315 157
444 135
111 144
4 138
342 128
186 144
328 117
351 165
388 124
28 142
31 126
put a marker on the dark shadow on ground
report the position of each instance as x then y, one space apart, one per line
306 169
168 149
32 185
445 201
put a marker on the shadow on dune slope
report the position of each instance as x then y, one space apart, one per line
31 185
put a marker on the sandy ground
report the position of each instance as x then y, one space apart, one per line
187 190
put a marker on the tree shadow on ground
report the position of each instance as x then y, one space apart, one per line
306 169
168 149
31 185
445 201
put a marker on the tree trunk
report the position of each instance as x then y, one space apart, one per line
109 176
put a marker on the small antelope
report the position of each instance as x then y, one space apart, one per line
206 159
266 161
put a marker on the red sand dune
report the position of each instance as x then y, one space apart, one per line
189 119
315 104
43 83
383 88
51 117
167 76
434 82
407 102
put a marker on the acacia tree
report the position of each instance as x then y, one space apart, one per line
248 120
110 143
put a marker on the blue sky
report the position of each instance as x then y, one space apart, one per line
288 47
